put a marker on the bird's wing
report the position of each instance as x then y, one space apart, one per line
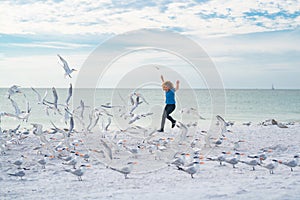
70 94
38 94
108 124
55 96
65 64
107 148
15 105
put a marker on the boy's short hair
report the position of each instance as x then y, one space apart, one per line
169 84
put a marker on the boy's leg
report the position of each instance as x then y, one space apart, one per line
169 110
163 120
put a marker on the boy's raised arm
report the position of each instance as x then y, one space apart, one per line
177 85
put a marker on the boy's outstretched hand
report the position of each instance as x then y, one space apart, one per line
177 85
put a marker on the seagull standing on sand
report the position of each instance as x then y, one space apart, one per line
254 162
125 170
66 67
18 174
192 169
292 163
221 158
19 162
271 166
78 172
234 160
43 161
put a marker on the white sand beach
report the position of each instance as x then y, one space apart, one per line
212 181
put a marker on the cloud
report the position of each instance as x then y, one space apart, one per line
215 17
51 45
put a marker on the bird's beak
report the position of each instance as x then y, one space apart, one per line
201 157
269 151
202 163
242 154
135 163
88 166
280 161
51 156
228 152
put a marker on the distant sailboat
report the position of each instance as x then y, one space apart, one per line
273 87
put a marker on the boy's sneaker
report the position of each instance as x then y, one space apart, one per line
173 124
160 130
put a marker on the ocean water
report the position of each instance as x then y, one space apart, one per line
237 105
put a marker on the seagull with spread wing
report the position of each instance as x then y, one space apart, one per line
66 67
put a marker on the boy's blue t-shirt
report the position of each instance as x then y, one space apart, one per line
170 97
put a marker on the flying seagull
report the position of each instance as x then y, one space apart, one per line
66 67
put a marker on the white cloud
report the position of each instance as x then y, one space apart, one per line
88 17
51 45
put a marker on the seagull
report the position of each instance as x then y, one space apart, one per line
55 97
291 163
271 166
141 96
107 149
78 172
191 111
221 158
19 162
55 100
18 174
262 156
125 170
247 123
40 99
219 141
72 162
236 145
223 125
136 117
43 161
254 162
192 169
38 129
66 67
23 115
234 160
180 161
13 90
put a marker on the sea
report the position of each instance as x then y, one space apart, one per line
236 105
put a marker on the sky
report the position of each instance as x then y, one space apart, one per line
252 43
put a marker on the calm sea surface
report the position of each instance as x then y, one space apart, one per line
239 105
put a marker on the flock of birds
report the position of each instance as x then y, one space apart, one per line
186 147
